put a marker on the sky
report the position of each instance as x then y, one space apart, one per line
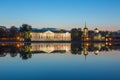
66 14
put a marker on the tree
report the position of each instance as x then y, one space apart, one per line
76 34
25 52
80 34
25 30
13 32
3 31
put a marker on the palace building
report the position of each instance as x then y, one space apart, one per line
51 36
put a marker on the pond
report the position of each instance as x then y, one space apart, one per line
59 61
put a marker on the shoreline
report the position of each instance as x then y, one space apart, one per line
59 41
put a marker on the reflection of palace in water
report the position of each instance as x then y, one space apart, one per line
25 50
51 47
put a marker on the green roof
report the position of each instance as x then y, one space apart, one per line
42 31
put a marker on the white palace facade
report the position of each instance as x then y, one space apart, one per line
50 36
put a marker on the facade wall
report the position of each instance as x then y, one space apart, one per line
50 36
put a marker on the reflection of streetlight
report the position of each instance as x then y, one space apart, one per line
110 39
18 45
106 39
87 39
110 44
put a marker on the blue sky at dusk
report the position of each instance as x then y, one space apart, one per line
104 14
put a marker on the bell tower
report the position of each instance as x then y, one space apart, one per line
85 31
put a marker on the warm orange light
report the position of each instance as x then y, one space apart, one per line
3 44
110 39
18 45
110 44
18 38
87 38
87 44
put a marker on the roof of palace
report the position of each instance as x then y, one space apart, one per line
50 29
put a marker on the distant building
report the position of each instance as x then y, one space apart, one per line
97 35
50 36
96 30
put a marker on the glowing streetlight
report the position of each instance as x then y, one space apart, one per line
18 37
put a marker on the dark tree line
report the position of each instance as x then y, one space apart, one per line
8 33
76 34
25 30
15 34
14 50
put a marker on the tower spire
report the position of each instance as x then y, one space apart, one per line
85 25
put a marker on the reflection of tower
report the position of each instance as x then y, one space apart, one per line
85 50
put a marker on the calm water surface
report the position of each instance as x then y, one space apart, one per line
59 61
